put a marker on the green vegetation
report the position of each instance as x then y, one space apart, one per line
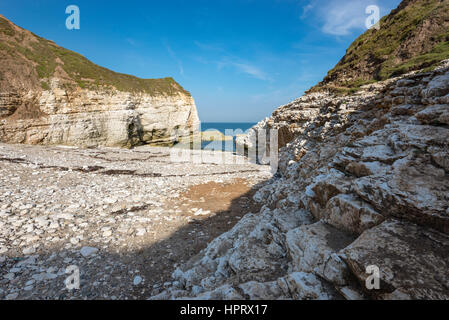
5 28
388 52
425 61
46 56
45 85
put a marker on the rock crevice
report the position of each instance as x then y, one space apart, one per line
362 181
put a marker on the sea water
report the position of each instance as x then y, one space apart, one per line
236 127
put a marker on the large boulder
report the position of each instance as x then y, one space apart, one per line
413 261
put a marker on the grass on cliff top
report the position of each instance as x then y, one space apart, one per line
6 28
425 61
47 56
380 45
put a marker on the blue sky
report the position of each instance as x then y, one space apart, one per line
239 59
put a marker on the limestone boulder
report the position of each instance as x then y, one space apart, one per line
412 260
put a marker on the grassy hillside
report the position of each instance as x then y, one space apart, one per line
18 46
412 37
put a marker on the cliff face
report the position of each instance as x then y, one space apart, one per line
363 182
412 37
83 117
50 95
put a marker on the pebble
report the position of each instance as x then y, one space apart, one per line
137 280
12 296
88 251
202 213
46 218
28 251
9 276
107 233
30 283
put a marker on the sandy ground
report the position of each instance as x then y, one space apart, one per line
124 218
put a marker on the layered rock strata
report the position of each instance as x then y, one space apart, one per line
82 117
363 181
53 96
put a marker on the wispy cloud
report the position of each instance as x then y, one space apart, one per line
131 42
245 68
208 46
175 58
339 17
307 8
231 61
345 17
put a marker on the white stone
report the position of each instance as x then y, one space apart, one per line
137 280
107 233
200 212
12 296
29 250
88 251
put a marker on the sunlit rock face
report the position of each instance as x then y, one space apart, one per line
86 118
50 95
363 181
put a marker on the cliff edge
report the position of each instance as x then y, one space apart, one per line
53 96
412 37
362 187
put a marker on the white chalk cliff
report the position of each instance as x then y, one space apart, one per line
88 118
53 96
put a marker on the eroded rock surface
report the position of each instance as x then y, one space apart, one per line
413 260
53 96
100 118
363 180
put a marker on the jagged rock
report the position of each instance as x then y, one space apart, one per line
323 189
349 213
416 191
410 45
363 180
355 163
412 261
311 248
306 286
350 294
437 87
436 114
296 286
225 292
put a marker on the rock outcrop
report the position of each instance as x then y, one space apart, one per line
52 96
100 118
363 181
414 36
359 208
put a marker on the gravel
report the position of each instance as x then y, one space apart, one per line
117 215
